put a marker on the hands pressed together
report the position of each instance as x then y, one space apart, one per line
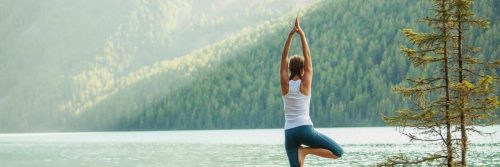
296 28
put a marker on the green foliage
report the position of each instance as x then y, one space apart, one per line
174 81
58 58
446 103
429 113
354 75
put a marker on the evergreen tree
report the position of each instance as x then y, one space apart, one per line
462 94
475 103
430 113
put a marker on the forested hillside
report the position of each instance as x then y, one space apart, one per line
155 65
234 83
58 58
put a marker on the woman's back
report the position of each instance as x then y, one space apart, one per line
296 106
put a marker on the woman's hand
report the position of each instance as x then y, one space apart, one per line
292 32
297 26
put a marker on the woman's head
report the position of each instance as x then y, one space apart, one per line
296 66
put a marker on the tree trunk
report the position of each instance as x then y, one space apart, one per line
462 100
449 148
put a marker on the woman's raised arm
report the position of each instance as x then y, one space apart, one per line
306 83
284 64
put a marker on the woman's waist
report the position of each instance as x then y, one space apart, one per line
298 121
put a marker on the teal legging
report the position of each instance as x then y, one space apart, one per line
306 135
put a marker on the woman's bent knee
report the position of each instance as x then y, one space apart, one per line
338 152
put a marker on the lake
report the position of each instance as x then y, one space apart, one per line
252 147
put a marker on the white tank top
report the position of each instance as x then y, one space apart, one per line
296 106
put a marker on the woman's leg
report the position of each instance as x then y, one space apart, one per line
301 156
292 148
304 151
293 155
320 145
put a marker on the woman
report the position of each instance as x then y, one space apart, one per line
296 93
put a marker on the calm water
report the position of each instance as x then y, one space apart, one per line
362 146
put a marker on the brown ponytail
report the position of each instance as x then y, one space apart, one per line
295 66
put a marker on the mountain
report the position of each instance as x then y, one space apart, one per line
59 58
209 72
234 83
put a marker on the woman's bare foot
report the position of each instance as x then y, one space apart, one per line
302 155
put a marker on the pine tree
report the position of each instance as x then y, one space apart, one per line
430 113
475 103
459 96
